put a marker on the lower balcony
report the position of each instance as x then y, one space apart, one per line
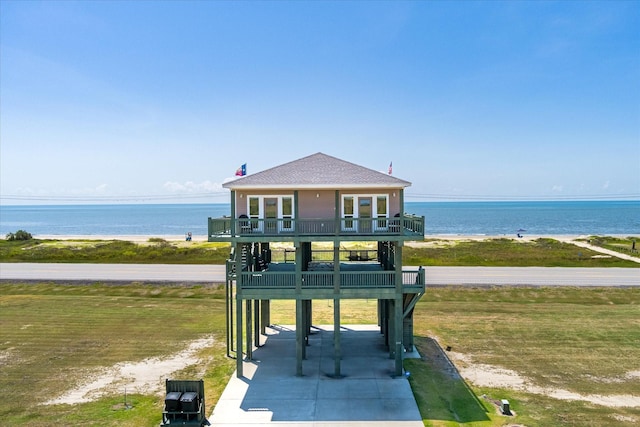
356 280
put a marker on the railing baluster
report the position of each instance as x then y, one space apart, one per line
221 227
324 279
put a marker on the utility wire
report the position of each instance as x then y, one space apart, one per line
156 197
419 196
478 197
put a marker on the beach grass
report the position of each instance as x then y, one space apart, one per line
155 251
585 341
501 252
627 245
541 252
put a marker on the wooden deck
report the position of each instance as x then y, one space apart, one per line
249 229
353 280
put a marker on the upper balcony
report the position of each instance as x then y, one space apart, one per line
403 227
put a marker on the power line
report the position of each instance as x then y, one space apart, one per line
479 197
130 198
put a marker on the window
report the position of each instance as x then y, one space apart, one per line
358 211
347 210
270 213
254 211
381 211
287 213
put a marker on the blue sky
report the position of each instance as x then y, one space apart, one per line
162 101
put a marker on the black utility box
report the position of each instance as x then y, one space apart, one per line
172 401
189 402
184 403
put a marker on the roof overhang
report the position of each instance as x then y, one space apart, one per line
239 186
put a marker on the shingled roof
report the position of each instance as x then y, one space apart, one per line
317 171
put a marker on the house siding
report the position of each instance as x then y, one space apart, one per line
319 203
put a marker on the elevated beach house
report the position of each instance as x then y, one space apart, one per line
318 228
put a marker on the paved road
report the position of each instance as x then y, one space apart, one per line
113 272
534 276
481 276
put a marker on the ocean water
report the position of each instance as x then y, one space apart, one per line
452 218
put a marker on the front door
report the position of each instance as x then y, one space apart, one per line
270 215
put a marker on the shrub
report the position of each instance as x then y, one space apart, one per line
157 240
19 235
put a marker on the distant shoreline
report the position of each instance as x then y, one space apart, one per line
201 238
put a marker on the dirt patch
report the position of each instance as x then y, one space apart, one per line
140 377
632 375
624 418
629 376
5 356
483 375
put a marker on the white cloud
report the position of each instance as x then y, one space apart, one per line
557 188
192 187
605 185
230 178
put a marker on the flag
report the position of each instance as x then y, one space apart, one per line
242 170
390 168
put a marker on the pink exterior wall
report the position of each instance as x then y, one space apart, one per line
319 203
316 204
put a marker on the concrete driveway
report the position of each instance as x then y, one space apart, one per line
270 394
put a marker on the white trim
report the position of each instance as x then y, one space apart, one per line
356 205
279 214
249 187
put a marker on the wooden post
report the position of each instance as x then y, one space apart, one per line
299 310
257 326
303 326
299 337
398 311
337 350
264 312
239 356
249 335
227 313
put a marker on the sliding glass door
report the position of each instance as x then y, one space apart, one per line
365 213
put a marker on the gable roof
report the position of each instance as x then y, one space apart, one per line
317 171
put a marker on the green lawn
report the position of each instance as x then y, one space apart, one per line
581 340
585 341
53 335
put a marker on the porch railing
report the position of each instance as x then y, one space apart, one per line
325 279
239 227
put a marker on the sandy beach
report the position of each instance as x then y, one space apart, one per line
203 238
137 238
